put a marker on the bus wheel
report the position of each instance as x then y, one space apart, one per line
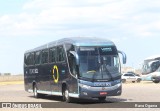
36 95
102 98
66 97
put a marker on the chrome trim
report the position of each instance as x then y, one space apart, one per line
44 92
50 93
30 90
56 93
73 95
102 88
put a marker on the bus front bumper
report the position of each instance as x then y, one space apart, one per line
95 92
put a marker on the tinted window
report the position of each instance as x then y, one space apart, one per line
45 56
60 54
125 74
31 59
52 55
26 59
130 75
37 57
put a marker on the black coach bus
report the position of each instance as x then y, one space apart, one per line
74 68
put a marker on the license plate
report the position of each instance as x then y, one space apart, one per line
103 93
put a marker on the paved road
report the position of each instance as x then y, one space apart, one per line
132 92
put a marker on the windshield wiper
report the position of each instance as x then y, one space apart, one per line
108 73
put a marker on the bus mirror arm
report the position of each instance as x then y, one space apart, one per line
124 56
76 56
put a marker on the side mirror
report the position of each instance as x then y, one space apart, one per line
76 56
124 57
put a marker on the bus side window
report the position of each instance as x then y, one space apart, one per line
44 56
52 55
26 59
60 54
37 57
31 59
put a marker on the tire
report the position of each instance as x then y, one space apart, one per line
35 93
138 80
66 97
156 81
133 81
123 80
102 98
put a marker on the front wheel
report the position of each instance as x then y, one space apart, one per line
66 97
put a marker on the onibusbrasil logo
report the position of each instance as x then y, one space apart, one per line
55 74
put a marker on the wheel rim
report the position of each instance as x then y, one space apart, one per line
35 91
66 94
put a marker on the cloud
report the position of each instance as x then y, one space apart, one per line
41 17
126 22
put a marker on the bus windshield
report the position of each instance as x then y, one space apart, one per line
99 63
150 66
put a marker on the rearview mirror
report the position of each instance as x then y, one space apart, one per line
124 57
76 56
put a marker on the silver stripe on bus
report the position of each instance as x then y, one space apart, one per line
54 93
44 92
50 93
73 95
30 90
57 93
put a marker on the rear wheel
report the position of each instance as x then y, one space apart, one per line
36 94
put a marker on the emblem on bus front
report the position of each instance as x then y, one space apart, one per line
103 88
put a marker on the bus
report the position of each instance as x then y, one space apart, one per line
150 68
74 68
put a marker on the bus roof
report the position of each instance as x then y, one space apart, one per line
77 41
153 57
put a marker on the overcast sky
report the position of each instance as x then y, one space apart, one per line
133 25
